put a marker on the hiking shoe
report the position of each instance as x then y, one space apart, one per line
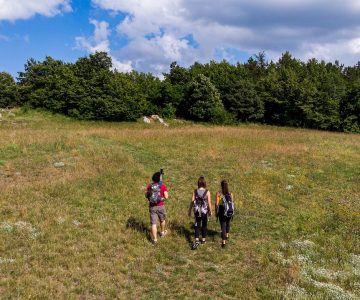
162 234
195 245
223 245
203 242
154 242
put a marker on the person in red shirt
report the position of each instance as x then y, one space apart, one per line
156 194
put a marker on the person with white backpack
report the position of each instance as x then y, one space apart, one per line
201 205
225 209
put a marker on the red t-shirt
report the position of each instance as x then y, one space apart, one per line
163 189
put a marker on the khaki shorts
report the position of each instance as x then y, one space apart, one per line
157 212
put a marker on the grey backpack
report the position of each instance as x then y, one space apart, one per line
200 204
229 205
153 194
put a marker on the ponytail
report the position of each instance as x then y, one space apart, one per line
224 187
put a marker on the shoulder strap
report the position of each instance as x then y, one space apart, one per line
202 195
205 193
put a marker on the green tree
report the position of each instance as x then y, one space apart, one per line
350 108
243 101
327 88
280 91
169 99
8 91
34 81
204 102
172 95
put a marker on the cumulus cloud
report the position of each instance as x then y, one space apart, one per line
158 30
346 49
12 10
100 42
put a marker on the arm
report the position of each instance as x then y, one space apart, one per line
164 191
209 203
147 193
191 204
217 203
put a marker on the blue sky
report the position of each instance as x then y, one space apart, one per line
148 35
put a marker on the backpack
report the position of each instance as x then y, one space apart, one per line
229 205
153 194
200 204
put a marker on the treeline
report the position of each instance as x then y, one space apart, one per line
312 94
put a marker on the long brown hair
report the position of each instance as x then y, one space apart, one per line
201 182
224 187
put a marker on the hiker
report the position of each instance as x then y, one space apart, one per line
201 202
224 210
156 194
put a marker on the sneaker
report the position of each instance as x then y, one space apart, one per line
154 242
195 245
162 234
203 242
223 245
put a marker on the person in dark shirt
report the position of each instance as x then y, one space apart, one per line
201 202
219 208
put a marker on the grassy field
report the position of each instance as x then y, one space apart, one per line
81 231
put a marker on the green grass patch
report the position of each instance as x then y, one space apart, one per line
82 230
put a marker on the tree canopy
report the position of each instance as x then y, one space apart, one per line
289 92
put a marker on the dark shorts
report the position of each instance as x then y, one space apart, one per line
157 212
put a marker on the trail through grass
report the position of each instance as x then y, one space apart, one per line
81 231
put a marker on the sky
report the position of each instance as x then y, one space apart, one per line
147 35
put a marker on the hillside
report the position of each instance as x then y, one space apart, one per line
74 222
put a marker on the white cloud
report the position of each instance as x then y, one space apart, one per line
100 42
307 28
12 10
347 49
125 66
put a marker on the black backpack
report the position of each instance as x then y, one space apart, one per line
200 204
153 194
228 204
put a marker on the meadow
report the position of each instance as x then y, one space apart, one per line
74 222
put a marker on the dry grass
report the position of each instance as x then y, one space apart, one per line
81 231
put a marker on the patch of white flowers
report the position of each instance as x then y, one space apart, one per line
320 278
21 226
294 291
355 263
303 244
6 260
76 222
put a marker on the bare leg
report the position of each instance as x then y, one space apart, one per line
162 226
154 231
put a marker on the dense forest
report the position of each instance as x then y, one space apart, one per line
289 92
